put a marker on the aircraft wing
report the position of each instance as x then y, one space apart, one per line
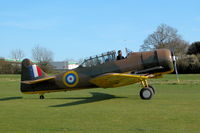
110 80
38 80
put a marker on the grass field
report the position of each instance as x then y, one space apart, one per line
174 109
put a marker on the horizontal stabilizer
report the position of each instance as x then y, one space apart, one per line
38 80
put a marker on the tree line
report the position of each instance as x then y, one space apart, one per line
187 55
42 56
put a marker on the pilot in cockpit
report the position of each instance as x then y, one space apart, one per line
119 56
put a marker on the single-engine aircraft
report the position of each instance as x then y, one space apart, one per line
102 71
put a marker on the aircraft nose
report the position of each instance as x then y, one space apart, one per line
165 59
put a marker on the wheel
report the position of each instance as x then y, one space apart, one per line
153 89
41 96
146 93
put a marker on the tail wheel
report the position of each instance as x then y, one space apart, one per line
146 93
41 96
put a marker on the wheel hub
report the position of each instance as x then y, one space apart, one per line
146 94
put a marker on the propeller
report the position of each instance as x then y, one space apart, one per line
175 65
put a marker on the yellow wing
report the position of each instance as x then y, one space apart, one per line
117 79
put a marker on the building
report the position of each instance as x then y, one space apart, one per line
59 65
72 65
11 60
63 65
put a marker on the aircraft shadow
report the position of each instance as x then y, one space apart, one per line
10 98
96 96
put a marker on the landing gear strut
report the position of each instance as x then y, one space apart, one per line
147 92
41 96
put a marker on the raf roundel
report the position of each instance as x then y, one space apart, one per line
70 79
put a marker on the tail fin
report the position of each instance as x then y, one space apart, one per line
34 80
31 71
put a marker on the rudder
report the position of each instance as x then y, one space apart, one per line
31 71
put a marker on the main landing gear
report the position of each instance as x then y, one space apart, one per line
41 96
147 92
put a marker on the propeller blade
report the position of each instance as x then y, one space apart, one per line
175 66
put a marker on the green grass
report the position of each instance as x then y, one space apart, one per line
174 109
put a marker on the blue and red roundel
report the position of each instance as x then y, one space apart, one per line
70 78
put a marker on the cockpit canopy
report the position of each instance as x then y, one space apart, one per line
99 59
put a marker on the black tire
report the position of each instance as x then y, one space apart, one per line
153 89
41 96
146 93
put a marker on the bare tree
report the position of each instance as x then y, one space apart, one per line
17 54
43 56
179 46
165 37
